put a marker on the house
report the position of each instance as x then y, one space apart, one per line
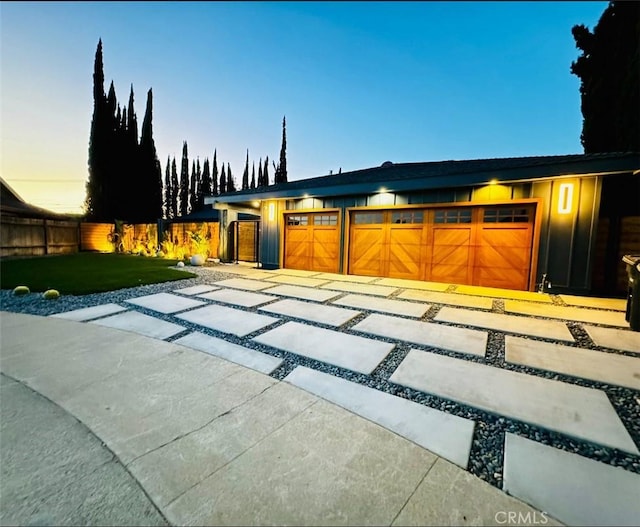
558 222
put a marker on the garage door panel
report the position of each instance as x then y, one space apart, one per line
312 247
520 237
451 236
503 278
450 273
502 257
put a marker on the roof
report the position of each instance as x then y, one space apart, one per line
11 204
205 215
440 174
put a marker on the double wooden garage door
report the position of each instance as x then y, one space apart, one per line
488 246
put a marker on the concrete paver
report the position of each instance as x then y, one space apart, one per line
448 298
248 357
386 305
353 486
617 339
617 304
296 280
550 329
140 323
450 338
169 471
196 289
580 412
346 351
449 495
89 313
608 318
330 315
165 302
228 320
444 434
366 289
243 283
295 272
578 490
345 278
413 284
495 292
306 293
587 364
238 298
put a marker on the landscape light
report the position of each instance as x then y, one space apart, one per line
565 198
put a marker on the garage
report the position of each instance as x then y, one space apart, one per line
312 241
488 246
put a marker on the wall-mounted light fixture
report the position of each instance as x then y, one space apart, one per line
565 198
272 211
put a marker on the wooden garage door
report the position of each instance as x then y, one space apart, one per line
312 242
488 246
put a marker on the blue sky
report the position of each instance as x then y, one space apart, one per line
359 82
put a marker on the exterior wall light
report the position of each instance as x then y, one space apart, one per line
565 198
272 211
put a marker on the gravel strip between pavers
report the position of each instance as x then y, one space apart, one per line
487 451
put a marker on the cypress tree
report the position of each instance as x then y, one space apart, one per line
245 174
150 177
193 190
167 189
223 181
184 182
205 187
231 184
214 175
260 178
281 171
253 176
265 172
175 190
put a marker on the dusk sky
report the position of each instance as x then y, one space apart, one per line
359 82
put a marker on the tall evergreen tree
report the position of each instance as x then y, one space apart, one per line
609 73
167 189
184 181
253 176
231 184
245 174
281 170
193 190
265 172
223 180
205 187
95 201
260 178
175 190
214 174
150 177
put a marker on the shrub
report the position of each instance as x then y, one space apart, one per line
51 294
21 290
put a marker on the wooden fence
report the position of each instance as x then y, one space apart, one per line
37 237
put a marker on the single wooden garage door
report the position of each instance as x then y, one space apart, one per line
488 246
312 242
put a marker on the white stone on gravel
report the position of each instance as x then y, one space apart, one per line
228 320
579 314
332 316
386 305
346 351
574 489
87 313
244 283
609 368
306 293
550 329
443 434
141 324
196 289
454 299
256 360
462 340
413 284
165 302
296 280
238 298
580 412
365 289
616 339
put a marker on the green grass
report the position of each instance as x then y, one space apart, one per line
84 273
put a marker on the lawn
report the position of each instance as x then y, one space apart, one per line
84 273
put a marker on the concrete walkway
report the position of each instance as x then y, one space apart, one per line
210 442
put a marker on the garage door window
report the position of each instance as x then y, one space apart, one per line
297 220
325 219
453 216
407 217
507 215
368 218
